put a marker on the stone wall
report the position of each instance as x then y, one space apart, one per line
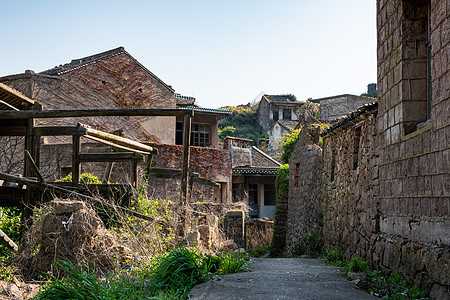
332 108
304 214
258 233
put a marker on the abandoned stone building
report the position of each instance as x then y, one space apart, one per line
254 174
335 107
379 186
114 79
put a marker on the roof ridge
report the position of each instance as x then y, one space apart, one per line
265 155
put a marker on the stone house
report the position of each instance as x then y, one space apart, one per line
272 108
383 192
254 174
115 79
335 107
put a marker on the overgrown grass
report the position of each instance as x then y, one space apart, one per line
170 276
391 287
260 251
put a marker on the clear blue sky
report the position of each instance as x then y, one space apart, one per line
221 52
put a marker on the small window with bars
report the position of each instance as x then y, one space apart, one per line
200 135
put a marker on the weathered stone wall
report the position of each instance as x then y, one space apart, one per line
304 214
263 114
331 108
349 182
258 233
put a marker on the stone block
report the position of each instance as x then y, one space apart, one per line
437 262
193 238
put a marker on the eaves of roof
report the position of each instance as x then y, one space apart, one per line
256 171
207 110
369 108
13 99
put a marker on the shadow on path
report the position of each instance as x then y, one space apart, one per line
282 278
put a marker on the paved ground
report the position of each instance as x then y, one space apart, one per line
282 278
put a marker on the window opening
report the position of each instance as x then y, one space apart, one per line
287 114
200 135
179 134
253 199
269 194
276 114
356 145
297 171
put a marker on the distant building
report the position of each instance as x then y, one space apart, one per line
254 174
273 108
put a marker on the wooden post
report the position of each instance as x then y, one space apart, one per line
76 166
186 155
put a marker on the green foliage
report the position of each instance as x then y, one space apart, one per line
334 257
85 178
309 244
288 143
244 122
6 269
393 287
226 131
357 265
233 262
10 225
282 181
260 251
170 276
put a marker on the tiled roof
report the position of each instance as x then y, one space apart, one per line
253 170
184 100
76 64
262 160
365 109
220 111
278 98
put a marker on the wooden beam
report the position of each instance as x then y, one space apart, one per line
26 114
9 105
9 242
76 166
58 130
110 157
117 139
115 145
6 130
56 189
186 155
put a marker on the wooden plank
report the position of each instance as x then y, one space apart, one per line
9 105
26 114
56 189
13 130
110 157
117 139
115 145
58 130
9 242
38 173
76 166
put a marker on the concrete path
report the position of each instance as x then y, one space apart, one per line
282 278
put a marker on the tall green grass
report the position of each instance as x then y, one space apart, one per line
170 276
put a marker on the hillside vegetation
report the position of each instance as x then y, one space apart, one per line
242 123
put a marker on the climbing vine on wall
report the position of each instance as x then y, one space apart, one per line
282 181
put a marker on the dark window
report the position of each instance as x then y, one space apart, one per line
286 114
276 114
179 134
253 199
235 189
269 194
200 135
297 171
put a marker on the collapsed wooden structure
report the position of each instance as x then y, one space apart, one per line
17 118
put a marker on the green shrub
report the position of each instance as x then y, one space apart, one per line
260 251
357 265
309 244
334 257
233 262
10 225
85 178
